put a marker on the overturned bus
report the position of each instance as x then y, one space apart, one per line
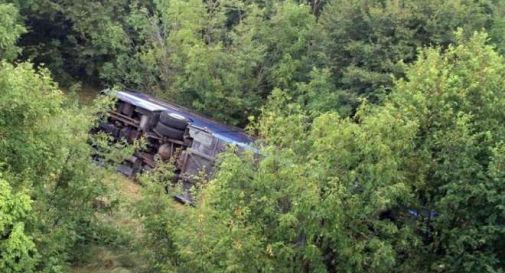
171 132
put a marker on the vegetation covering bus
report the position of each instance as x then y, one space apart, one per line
172 133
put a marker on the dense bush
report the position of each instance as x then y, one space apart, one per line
380 127
367 41
225 57
413 185
10 30
48 182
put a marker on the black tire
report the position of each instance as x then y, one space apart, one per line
109 129
169 132
124 133
173 120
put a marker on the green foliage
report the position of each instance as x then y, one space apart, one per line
224 58
76 39
292 45
360 130
207 73
43 144
456 99
18 250
10 30
221 58
497 29
339 194
319 94
160 216
368 40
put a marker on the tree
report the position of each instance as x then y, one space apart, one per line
222 58
412 185
10 30
18 250
77 40
455 98
44 150
209 69
368 40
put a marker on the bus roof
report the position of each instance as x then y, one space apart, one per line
227 133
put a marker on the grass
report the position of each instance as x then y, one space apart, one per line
115 249
84 92
105 260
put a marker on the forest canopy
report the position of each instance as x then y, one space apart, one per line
224 58
380 125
